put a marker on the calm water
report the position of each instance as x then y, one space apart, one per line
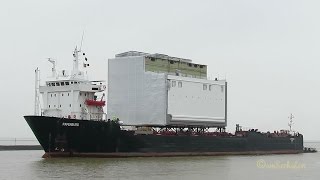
30 165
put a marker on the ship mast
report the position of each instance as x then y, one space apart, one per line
76 61
54 71
79 71
290 122
36 96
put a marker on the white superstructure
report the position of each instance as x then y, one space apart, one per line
72 95
147 90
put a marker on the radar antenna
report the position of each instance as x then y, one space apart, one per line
290 122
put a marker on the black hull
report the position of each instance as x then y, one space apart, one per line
65 137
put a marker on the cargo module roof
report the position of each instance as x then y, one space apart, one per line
161 63
156 55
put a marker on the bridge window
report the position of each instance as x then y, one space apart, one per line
173 83
53 84
57 84
210 87
222 88
62 83
67 83
205 87
180 84
49 106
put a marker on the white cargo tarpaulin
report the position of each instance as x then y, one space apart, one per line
136 97
142 98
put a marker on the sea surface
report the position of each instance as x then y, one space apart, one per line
29 165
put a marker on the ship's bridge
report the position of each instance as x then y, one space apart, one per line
72 96
73 99
88 86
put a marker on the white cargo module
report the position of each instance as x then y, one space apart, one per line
158 90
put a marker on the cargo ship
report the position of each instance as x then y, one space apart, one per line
157 105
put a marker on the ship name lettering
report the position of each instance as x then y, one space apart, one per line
71 124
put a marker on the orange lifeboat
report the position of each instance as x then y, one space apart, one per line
91 102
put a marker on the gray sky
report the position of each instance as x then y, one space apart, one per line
268 50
